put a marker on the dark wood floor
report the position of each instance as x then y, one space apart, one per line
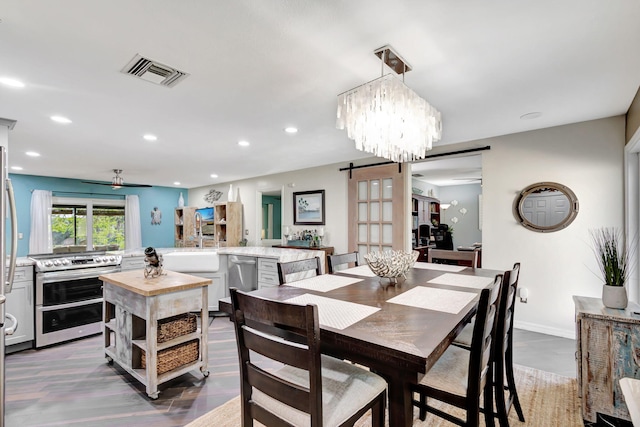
72 385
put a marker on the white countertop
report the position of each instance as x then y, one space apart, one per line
281 254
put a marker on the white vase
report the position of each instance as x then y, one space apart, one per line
230 193
180 201
237 194
614 296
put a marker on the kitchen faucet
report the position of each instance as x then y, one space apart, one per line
198 228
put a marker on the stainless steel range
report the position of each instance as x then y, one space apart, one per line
69 294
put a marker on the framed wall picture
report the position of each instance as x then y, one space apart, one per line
308 208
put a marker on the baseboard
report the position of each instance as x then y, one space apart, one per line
534 327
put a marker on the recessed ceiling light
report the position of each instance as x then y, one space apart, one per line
60 119
530 116
32 154
16 168
291 129
176 183
243 143
150 137
11 82
213 175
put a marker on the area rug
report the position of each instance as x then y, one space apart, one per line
548 400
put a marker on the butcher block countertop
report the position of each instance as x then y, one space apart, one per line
168 282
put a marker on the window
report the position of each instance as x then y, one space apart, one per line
87 224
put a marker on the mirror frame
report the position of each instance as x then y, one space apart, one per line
573 206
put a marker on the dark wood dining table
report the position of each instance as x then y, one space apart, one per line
398 342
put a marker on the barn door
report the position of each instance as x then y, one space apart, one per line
377 211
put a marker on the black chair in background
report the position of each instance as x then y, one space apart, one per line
461 377
442 237
310 389
504 383
342 259
287 268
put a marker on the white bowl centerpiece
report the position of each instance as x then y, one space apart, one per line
391 264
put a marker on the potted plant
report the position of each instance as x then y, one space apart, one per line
613 261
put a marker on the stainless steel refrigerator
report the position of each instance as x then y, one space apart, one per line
7 264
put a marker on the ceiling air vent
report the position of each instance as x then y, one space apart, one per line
154 72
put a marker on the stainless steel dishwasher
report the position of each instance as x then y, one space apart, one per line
243 272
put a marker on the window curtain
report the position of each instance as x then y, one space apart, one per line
40 237
132 228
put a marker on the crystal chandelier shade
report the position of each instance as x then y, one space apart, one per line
387 119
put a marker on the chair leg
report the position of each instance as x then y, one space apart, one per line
489 419
511 384
423 407
377 413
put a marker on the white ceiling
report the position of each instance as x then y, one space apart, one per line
257 66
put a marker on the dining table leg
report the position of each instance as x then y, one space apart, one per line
400 402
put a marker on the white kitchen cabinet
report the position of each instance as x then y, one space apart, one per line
132 263
217 289
268 273
21 305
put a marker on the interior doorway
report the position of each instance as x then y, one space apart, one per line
455 183
269 216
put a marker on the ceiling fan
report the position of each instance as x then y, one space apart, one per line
117 182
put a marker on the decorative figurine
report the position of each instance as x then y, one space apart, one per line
152 263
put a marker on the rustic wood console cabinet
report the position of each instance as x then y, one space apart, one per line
133 306
608 349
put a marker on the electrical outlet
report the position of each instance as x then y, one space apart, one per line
246 232
20 236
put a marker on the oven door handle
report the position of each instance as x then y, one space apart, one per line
70 305
60 276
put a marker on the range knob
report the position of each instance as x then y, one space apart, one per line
56 262
98 259
112 259
66 262
48 263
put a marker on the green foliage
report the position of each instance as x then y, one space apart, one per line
612 256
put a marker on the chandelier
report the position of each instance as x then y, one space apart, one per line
386 118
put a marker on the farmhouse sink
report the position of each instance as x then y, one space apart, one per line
191 262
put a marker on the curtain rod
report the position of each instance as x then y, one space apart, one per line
83 192
350 168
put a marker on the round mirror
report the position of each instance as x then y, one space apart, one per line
546 207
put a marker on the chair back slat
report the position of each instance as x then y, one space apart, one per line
471 257
342 259
271 346
286 392
301 266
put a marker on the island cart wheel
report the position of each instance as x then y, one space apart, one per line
205 373
109 359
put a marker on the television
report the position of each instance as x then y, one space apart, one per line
207 213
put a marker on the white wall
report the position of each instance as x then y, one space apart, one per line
588 158
327 178
465 231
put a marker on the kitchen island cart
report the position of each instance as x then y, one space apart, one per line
148 326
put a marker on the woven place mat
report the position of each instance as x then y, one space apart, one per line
362 270
476 282
434 299
335 313
440 267
324 282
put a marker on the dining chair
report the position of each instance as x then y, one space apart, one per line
460 377
310 389
470 257
506 394
342 259
294 267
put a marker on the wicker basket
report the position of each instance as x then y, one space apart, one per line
174 357
173 327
